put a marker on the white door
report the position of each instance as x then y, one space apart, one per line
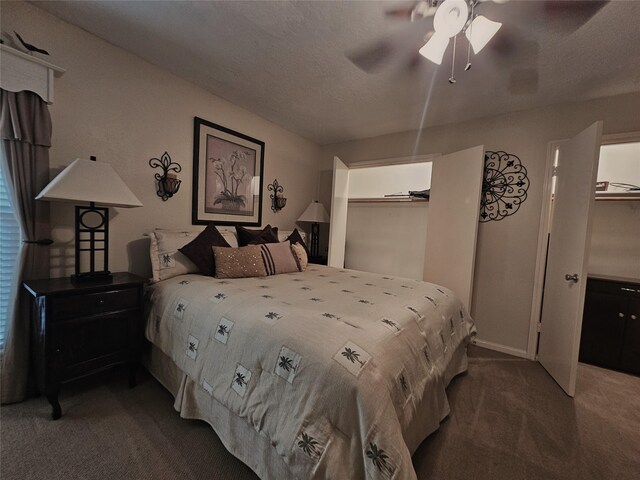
339 205
452 228
568 255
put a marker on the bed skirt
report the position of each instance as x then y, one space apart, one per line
237 435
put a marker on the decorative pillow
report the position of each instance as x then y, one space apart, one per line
239 262
166 260
246 236
230 236
300 255
278 258
284 235
199 249
295 237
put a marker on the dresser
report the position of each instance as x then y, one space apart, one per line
82 328
611 324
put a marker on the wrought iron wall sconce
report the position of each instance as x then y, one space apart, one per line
278 201
168 183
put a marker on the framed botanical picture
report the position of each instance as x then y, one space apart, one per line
227 176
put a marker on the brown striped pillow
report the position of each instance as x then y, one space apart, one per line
277 258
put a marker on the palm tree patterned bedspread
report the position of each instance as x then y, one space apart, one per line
341 370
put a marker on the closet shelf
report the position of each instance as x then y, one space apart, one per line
388 200
618 197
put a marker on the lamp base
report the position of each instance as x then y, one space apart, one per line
92 277
314 247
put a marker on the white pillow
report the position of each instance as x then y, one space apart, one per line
230 236
166 260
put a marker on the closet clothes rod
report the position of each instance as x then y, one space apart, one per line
388 200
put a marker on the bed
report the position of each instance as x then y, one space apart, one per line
323 374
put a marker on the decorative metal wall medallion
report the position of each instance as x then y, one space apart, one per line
504 187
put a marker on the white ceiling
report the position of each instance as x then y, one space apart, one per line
286 60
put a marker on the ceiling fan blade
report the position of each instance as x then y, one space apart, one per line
523 81
414 63
570 15
373 57
401 12
394 49
511 45
415 11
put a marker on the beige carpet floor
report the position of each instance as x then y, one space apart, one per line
509 420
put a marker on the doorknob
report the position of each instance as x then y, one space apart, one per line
573 277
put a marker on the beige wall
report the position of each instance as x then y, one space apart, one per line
615 240
387 238
506 255
116 106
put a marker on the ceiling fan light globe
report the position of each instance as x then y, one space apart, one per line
434 49
451 17
480 32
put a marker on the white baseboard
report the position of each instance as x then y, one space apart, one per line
516 352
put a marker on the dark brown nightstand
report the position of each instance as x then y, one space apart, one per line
319 260
80 329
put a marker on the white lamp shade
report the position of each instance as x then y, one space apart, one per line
481 31
434 49
90 181
315 213
451 17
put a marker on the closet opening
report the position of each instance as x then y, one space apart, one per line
607 331
388 206
611 319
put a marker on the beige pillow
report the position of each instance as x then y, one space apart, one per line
166 260
239 262
278 258
301 256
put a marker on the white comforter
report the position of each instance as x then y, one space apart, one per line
341 370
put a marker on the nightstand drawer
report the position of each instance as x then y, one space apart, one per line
86 344
74 306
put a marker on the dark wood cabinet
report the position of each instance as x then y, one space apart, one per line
630 356
80 329
611 324
319 260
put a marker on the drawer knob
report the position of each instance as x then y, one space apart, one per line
633 317
621 315
100 302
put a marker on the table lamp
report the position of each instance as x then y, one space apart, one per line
314 214
89 181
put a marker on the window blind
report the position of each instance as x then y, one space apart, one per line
9 247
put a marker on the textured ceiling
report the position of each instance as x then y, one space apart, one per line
286 60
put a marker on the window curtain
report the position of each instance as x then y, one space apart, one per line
25 126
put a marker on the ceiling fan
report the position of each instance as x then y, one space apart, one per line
438 23
450 18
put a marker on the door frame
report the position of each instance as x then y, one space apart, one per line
543 232
386 162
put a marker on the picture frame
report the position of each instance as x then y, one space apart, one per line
228 169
